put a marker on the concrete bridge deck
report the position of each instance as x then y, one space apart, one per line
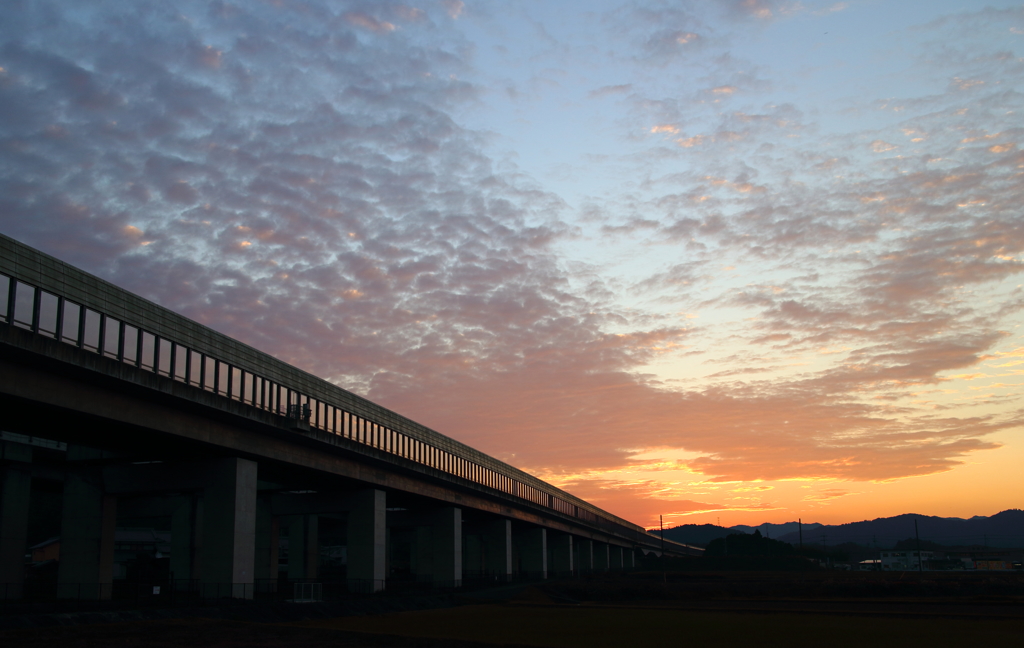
131 411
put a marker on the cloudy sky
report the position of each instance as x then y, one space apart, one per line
736 260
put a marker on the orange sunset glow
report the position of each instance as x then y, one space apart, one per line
736 262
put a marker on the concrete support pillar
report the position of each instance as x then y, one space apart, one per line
186 535
265 568
88 520
446 546
303 546
561 554
367 536
275 548
602 556
585 557
497 541
533 552
422 554
15 491
473 556
229 529
616 558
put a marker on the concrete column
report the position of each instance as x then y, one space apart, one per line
473 556
446 545
303 546
497 540
422 554
602 556
533 552
631 559
367 535
561 554
15 491
229 529
275 548
312 553
616 558
585 557
186 534
88 520
266 541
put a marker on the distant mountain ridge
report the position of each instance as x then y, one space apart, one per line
1004 529
775 531
694 534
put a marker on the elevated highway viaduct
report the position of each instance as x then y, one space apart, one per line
119 414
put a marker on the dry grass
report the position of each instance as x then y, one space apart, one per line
702 610
597 626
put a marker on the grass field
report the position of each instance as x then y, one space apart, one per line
599 626
747 610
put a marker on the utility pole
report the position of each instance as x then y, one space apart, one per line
920 558
661 523
800 528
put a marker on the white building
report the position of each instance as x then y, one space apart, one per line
904 560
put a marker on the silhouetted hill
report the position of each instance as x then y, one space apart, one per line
694 534
702 534
1005 529
744 544
776 530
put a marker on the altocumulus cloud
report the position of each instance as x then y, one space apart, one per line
294 175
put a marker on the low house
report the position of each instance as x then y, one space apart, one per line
906 560
987 558
46 550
